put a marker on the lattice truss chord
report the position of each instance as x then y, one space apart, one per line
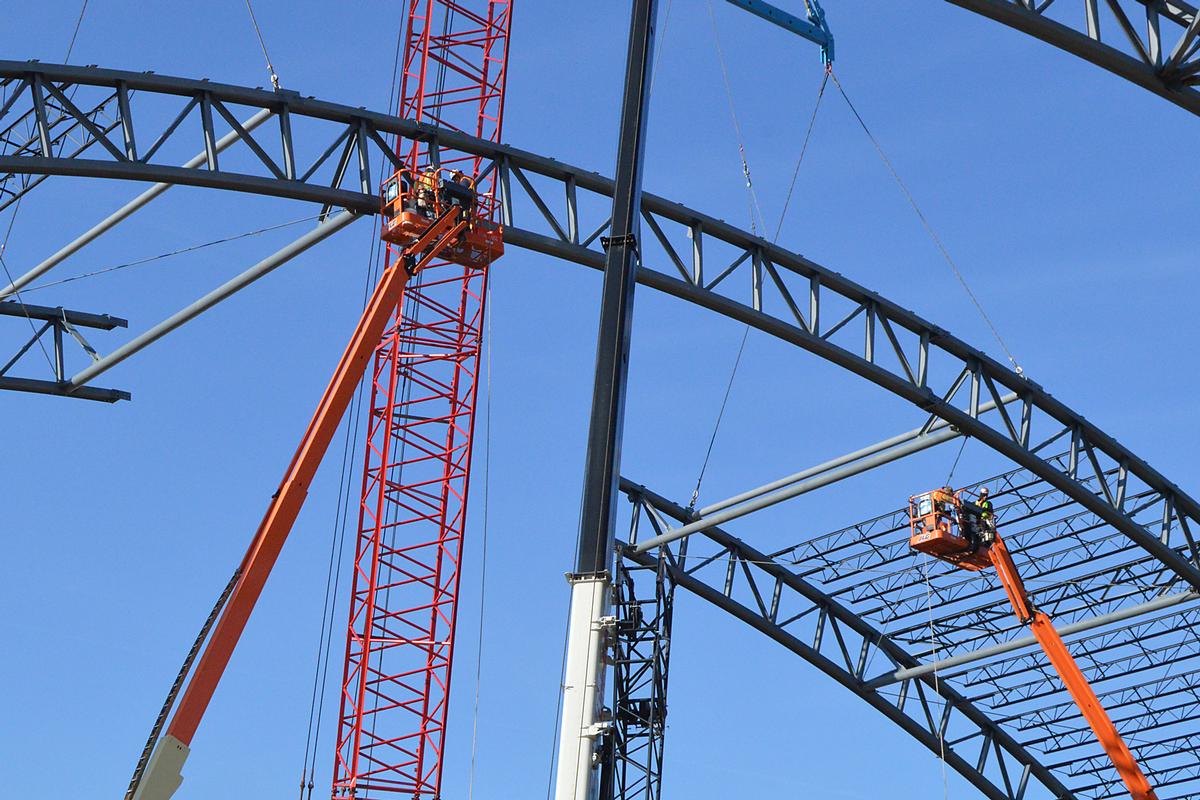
845 598
706 261
1151 42
416 476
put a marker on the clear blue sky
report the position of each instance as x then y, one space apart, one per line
1060 189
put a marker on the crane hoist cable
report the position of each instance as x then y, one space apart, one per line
812 121
263 44
756 215
341 512
937 240
487 475
75 33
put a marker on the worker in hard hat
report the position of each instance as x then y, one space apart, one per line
987 513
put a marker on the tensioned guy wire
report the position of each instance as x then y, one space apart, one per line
263 44
937 240
180 251
778 229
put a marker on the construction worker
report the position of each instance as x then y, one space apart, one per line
987 513
458 191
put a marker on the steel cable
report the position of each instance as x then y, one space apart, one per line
778 229
928 228
487 474
161 256
321 668
263 44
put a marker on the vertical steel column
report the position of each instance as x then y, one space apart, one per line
616 306
583 684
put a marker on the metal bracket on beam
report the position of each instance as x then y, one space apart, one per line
58 321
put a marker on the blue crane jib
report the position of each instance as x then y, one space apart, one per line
815 29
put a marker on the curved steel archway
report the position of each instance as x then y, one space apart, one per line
1152 43
859 606
709 263
803 618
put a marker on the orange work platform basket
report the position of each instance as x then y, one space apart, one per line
411 204
935 526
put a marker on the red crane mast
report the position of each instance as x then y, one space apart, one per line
416 472
420 336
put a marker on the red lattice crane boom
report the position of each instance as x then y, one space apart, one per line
421 333
416 474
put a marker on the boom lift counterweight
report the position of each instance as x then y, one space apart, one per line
946 526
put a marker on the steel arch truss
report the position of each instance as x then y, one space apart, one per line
768 596
1152 43
324 153
841 599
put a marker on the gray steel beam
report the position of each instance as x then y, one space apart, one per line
834 463
1157 604
62 389
127 210
765 500
227 289
81 319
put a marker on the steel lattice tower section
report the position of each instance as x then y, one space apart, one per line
416 474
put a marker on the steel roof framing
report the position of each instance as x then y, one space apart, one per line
873 337
709 263
776 601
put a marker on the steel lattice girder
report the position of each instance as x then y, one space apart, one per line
776 601
872 336
1152 43
1159 715
643 601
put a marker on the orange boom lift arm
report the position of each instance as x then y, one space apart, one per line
444 230
945 526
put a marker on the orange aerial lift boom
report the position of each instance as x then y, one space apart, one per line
945 525
439 224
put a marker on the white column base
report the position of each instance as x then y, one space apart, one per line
583 690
